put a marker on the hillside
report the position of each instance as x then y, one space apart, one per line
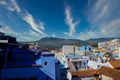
52 42
99 40
55 43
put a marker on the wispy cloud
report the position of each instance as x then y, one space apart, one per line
70 22
23 38
33 33
10 31
3 2
89 35
10 5
39 27
14 6
104 15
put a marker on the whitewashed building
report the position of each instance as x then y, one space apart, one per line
68 49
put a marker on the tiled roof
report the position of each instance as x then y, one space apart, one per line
113 73
115 64
84 73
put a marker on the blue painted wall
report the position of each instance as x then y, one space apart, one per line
87 48
25 73
48 65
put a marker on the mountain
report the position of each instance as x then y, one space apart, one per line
100 40
55 43
52 42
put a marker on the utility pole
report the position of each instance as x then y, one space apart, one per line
85 50
74 51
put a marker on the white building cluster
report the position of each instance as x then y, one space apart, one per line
85 64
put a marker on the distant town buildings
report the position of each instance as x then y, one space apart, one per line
110 44
89 63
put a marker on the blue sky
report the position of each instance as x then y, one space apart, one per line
31 20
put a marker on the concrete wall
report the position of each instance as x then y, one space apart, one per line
106 78
69 77
69 49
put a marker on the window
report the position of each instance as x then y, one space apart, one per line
45 63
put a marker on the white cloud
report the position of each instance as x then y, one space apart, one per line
25 38
53 35
14 6
3 2
101 13
41 25
20 36
11 5
111 28
69 21
33 33
8 30
104 15
35 26
87 35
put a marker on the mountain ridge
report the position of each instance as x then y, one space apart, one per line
56 43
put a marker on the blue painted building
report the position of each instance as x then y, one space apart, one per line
75 62
85 48
50 65
19 64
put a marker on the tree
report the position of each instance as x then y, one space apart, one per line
95 45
